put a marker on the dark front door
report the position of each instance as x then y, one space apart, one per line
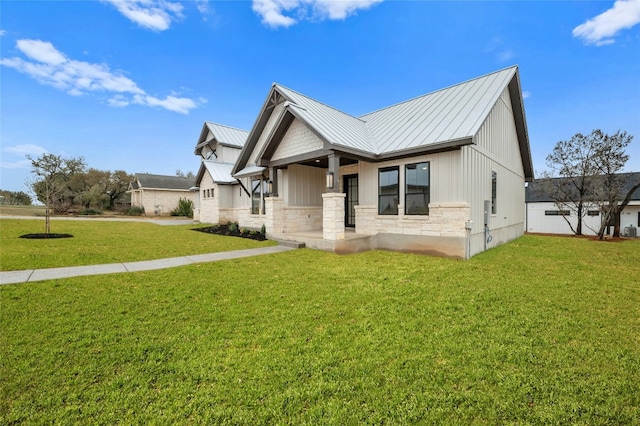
351 189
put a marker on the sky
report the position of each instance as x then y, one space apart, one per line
128 84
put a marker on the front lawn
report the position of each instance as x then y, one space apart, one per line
99 242
542 330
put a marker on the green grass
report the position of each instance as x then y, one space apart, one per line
540 331
99 242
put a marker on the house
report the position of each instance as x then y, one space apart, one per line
160 194
544 215
425 175
218 147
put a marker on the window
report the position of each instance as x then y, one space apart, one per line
388 190
416 188
557 213
593 213
494 192
212 189
256 195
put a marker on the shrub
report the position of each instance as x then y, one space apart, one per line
185 208
90 212
263 229
244 231
135 211
233 227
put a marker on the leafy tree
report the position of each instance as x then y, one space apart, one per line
14 198
51 186
189 174
117 186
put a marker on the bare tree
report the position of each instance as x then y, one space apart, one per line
52 177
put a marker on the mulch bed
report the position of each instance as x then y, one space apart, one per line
224 230
45 236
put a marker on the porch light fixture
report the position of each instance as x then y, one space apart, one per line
330 180
270 187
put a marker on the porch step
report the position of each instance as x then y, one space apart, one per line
293 244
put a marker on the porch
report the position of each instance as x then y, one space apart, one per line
352 242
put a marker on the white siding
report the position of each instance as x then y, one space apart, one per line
496 149
302 185
227 154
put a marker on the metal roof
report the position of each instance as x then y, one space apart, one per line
450 114
538 191
227 135
149 181
250 171
443 119
220 172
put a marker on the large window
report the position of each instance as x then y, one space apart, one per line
388 190
256 185
416 188
494 192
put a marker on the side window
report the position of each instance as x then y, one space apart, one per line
388 190
494 192
255 196
416 189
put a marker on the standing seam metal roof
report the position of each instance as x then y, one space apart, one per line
228 135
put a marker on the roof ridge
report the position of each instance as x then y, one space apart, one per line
228 127
435 91
317 101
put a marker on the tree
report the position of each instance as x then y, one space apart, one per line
14 198
117 186
189 174
53 174
591 165
573 159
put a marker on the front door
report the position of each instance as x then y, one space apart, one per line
351 189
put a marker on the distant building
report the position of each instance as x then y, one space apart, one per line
160 194
545 216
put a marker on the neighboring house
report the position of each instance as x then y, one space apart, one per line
415 176
546 216
159 194
218 147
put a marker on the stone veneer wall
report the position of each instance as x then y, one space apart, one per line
297 218
333 216
444 220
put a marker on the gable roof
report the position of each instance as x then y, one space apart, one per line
538 190
219 172
223 135
149 181
444 119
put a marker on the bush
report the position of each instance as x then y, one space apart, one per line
135 211
263 229
185 208
90 212
233 227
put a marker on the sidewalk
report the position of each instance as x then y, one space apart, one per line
31 275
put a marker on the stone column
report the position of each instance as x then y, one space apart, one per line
273 218
333 216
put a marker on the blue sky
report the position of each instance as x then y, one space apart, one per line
128 84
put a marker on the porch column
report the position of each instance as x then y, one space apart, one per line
273 218
333 216
334 167
273 177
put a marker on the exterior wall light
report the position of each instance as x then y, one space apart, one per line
270 187
330 180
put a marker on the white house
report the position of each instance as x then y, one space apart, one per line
218 148
442 173
546 216
159 194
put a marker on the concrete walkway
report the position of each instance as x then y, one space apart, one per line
31 275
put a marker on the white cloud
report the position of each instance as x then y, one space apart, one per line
155 15
51 67
25 149
3 32
600 30
20 164
273 11
526 94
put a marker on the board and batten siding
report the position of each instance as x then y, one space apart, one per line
495 149
227 154
302 185
445 177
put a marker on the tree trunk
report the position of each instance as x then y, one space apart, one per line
579 227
